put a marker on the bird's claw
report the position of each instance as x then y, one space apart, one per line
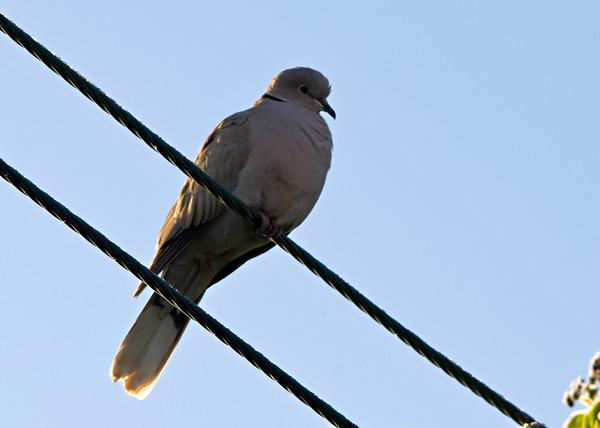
268 229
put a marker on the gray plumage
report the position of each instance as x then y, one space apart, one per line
274 157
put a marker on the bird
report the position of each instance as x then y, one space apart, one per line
273 156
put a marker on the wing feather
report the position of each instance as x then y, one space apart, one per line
222 157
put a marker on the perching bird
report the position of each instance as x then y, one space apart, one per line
274 157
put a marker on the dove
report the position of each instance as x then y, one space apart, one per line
274 157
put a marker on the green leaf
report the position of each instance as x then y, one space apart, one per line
576 420
585 418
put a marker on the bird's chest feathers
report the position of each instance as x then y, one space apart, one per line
292 167
287 165
286 177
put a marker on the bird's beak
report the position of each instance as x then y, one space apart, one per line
327 108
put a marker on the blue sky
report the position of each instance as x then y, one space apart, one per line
462 199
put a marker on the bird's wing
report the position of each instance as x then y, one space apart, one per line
222 157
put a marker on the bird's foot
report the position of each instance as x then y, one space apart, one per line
268 229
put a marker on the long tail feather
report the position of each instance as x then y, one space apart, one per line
148 346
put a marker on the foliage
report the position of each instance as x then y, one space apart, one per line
586 393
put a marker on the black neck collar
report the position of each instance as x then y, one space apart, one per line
271 97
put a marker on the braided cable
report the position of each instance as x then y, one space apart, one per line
172 295
191 170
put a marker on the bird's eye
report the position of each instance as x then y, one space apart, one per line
303 89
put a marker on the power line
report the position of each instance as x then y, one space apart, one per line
191 170
172 295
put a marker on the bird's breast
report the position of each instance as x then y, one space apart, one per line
287 171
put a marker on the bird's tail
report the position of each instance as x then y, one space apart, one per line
148 346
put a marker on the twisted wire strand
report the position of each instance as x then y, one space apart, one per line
172 295
191 170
